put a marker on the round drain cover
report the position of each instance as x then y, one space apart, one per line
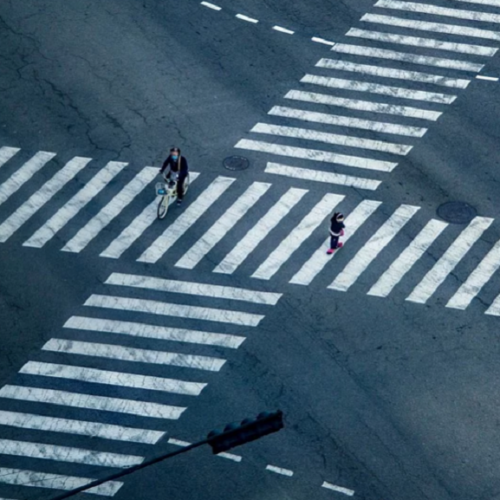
456 212
236 163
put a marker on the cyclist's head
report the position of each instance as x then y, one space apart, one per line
175 153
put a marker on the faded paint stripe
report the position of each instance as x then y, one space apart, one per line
175 310
191 288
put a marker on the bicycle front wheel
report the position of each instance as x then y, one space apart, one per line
162 207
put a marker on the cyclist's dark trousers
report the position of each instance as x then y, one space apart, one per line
180 186
334 241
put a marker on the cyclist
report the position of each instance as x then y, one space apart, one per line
176 168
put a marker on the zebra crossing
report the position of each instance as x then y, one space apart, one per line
100 393
352 120
281 234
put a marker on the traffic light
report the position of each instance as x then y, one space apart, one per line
248 430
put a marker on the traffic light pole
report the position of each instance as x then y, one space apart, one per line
130 470
232 435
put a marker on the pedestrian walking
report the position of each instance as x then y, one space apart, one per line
336 231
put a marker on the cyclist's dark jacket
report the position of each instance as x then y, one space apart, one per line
174 166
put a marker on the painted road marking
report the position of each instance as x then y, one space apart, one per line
259 231
471 15
328 138
410 255
35 479
430 43
297 236
283 30
320 258
46 451
380 71
230 456
490 78
38 199
91 402
345 121
106 377
449 260
119 202
407 57
6 153
477 279
450 29
367 254
322 40
279 470
375 88
73 206
320 176
190 288
374 107
339 489
193 212
176 310
246 18
316 155
154 332
24 174
211 6
79 427
224 224
125 353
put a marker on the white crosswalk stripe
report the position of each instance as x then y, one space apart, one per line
478 278
41 197
430 43
35 479
99 403
79 427
259 231
95 376
328 138
74 205
87 233
123 353
344 121
320 259
407 57
407 258
316 155
24 174
450 29
160 246
493 3
136 228
223 225
449 260
375 88
384 72
357 104
189 288
321 176
359 263
6 153
295 238
67 454
149 331
435 10
176 310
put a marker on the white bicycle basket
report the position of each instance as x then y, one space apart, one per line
161 189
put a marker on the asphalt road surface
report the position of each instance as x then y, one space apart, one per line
124 337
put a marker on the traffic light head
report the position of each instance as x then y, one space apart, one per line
246 431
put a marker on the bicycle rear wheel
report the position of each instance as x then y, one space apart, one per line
163 207
185 185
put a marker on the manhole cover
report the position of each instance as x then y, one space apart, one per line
456 212
236 163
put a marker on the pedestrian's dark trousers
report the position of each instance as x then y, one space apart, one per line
180 186
334 241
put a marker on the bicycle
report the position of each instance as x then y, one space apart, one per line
168 194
